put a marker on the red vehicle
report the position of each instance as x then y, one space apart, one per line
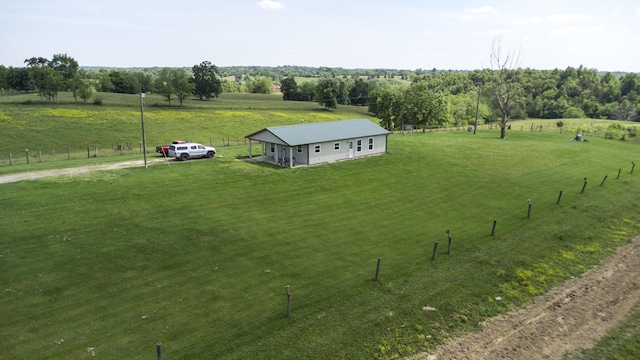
164 149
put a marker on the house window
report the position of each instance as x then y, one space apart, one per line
359 145
316 149
336 146
370 144
273 148
299 149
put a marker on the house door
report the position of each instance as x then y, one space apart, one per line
350 149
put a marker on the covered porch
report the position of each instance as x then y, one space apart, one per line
276 154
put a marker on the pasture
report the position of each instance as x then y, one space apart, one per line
197 255
27 123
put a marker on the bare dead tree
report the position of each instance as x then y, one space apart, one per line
503 89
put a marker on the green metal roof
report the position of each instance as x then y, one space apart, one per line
302 134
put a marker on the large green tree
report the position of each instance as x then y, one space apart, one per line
359 92
388 107
181 85
424 107
19 79
259 85
164 83
46 80
66 66
206 81
83 86
289 89
327 92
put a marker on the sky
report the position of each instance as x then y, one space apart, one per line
361 34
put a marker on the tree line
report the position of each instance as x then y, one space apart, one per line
440 98
428 98
62 73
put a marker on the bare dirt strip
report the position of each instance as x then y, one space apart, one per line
567 319
30 175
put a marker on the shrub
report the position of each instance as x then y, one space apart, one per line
97 100
573 113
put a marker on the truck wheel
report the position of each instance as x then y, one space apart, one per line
210 154
184 157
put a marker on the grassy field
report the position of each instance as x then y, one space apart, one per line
67 127
197 255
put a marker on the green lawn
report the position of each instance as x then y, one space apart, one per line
197 255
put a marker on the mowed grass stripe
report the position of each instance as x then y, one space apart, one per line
189 245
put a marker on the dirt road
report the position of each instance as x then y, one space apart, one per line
567 319
30 175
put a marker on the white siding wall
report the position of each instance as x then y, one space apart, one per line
328 153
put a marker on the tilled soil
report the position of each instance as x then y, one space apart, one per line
567 319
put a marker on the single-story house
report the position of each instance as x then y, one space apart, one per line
319 143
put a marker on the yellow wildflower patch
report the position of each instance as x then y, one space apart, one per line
67 113
568 255
6 121
281 115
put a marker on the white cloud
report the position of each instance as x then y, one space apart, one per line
496 32
483 9
270 4
569 18
531 20
576 31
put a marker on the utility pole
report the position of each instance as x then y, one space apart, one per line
144 139
477 110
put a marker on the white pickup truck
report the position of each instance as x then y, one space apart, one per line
188 151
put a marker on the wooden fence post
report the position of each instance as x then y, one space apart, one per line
493 229
603 180
159 350
27 155
559 197
378 269
584 186
39 155
10 159
288 290
435 250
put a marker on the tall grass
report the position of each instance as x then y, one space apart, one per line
196 255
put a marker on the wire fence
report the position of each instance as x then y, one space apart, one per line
42 155
597 131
